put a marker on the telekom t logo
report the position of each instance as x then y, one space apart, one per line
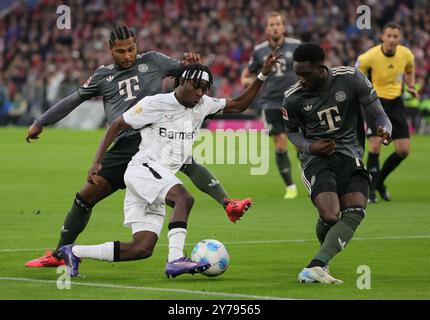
328 118
128 87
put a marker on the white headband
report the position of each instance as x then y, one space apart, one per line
196 75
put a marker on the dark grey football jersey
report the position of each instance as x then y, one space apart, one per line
121 89
282 75
334 112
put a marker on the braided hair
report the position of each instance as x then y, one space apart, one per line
190 71
120 33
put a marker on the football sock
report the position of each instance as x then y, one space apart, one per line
75 222
389 165
284 167
373 167
176 235
205 181
321 230
103 251
340 234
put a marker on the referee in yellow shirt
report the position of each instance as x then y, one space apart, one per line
387 65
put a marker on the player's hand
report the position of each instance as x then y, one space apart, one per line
191 57
385 135
33 132
414 93
322 148
271 60
92 173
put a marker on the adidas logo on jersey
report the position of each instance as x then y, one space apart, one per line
391 66
109 79
308 107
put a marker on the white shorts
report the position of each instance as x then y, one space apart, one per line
144 203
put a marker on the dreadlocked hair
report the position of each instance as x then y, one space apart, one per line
190 71
120 33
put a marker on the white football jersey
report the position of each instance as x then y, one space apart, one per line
168 129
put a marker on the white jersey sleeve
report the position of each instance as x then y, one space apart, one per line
142 114
213 105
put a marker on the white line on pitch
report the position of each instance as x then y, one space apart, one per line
268 241
169 290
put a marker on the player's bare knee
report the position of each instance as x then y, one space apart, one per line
330 217
93 193
187 200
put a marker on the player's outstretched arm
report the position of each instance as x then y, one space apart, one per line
382 122
54 114
110 135
246 78
242 102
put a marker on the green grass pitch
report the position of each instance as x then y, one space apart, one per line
268 247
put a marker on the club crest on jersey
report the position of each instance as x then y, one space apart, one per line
143 67
308 107
340 96
285 114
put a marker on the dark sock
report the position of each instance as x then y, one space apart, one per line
116 251
205 181
390 164
75 222
340 234
284 167
321 230
373 167
316 263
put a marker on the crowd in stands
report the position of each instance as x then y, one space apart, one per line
40 64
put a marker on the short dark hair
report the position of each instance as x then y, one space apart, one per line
273 14
120 33
309 52
190 70
392 25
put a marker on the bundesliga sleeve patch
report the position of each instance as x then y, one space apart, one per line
87 83
285 114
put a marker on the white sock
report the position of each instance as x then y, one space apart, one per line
99 252
176 243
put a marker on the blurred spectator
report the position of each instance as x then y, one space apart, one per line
44 63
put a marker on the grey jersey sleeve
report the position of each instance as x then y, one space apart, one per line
380 118
292 126
168 65
91 87
254 63
59 110
363 88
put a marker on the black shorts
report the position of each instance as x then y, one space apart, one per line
337 173
117 158
273 121
395 111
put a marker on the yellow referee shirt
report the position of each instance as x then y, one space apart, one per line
386 73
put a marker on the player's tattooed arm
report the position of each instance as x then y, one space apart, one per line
241 103
114 129
54 114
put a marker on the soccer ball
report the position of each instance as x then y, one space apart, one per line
215 253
